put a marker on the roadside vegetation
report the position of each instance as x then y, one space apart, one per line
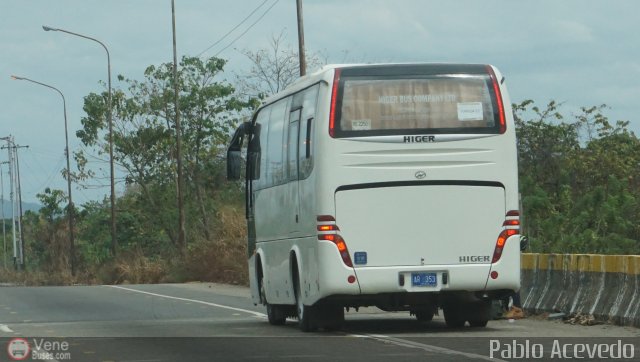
579 180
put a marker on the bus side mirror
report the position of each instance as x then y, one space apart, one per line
234 154
253 169
234 164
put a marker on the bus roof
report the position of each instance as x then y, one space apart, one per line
326 73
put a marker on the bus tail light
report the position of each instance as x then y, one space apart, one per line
496 91
328 227
511 226
328 230
334 100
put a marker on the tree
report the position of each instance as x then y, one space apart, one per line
46 233
144 136
273 69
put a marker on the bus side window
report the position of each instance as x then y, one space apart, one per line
254 152
276 172
294 126
263 120
307 140
308 116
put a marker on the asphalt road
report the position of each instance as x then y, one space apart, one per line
212 322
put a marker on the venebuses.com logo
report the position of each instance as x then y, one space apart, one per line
18 349
39 349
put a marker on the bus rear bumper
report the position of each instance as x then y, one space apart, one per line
375 280
449 279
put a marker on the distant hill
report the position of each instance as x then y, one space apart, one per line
25 206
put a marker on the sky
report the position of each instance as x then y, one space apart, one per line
580 52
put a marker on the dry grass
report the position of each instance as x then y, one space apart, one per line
222 260
136 268
35 278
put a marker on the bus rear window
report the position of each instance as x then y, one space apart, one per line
416 104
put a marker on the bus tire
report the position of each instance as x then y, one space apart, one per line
276 314
453 316
424 315
332 317
306 314
479 314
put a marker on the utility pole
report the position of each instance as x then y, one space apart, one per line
12 199
4 226
19 190
14 173
303 59
182 243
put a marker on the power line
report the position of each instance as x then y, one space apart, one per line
55 170
249 28
41 152
234 28
29 180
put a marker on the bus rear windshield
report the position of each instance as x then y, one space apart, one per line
416 104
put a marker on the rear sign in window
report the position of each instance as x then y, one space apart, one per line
381 104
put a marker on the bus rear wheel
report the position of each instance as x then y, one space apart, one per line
479 314
307 315
423 316
276 314
454 316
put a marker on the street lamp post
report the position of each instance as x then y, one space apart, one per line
70 205
114 240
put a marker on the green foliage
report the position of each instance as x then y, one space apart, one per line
578 180
144 125
144 138
46 234
51 200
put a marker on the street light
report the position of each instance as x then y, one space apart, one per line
66 136
114 241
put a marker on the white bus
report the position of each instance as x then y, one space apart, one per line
390 185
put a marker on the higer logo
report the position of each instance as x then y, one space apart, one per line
474 259
418 139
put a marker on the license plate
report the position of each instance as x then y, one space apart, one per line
424 279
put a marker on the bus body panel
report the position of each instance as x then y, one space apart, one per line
333 274
275 261
421 224
508 267
271 201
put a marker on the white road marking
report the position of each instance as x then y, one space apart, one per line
5 328
424 347
254 313
378 337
